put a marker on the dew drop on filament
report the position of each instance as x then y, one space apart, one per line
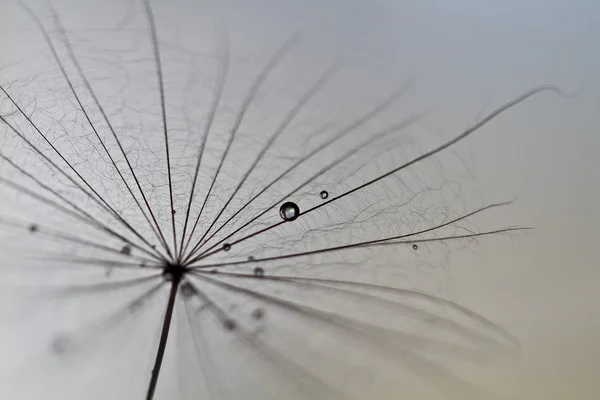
415 247
33 228
258 313
324 194
259 272
229 324
187 290
226 247
126 250
62 344
289 211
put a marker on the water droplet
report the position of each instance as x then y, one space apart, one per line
258 271
62 344
136 306
168 276
143 264
324 194
187 290
226 247
33 228
229 324
289 211
214 271
126 250
258 313
250 258
415 247
173 212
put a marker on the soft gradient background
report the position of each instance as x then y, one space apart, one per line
467 57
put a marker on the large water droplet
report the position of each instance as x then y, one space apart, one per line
250 258
415 247
289 211
324 194
259 272
226 247
126 250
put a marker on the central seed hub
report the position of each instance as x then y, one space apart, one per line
172 272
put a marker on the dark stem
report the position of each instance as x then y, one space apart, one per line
163 338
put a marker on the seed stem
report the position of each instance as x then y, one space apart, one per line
163 338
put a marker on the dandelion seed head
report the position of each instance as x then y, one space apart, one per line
108 147
173 272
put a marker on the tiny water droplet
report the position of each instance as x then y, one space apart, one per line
258 271
214 271
415 247
136 306
33 228
143 264
201 308
289 211
229 324
173 212
250 258
324 194
226 247
126 250
187 290
258 313
61 344
153 246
